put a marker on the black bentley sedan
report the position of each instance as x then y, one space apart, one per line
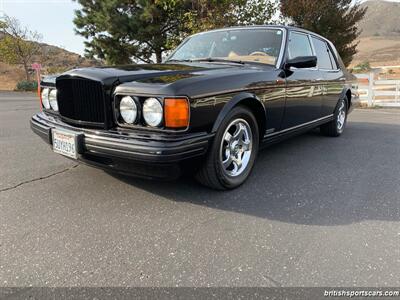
208 109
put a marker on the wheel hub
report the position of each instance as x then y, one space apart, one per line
236 147
341 117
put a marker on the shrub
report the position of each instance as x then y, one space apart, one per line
26 86
56 70
362 67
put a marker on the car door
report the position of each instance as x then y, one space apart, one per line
333 76
304 89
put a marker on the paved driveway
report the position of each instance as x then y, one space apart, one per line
317 211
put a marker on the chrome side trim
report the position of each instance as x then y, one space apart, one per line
299 126
226 92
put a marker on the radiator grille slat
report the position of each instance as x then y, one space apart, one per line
81 100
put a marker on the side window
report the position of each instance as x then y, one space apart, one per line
333 60
299 45
322 52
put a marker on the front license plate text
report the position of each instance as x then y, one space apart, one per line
64 143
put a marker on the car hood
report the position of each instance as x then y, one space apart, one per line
185 79
140 71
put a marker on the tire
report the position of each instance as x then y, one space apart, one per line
231 156
336 127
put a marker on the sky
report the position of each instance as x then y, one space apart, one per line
51 18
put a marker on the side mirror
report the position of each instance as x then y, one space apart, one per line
302 62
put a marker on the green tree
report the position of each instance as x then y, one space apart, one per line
18 45
210 14
118 31
334 19
121 31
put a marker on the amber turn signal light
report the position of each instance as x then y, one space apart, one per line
176 112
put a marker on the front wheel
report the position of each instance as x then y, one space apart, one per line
231 157
337 125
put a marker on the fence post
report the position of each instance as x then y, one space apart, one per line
370 89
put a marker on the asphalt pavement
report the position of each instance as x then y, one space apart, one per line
317 211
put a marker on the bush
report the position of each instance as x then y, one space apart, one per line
26 86
362 67
56 70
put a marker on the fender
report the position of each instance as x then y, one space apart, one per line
237 99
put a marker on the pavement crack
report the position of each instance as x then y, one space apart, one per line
37 179
269 278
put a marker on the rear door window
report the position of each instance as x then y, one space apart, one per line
333 60
322 52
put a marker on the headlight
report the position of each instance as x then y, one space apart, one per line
53 99
45 98
152 112
128 109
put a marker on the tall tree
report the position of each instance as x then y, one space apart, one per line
138 30
119 31
18 44
210 14
334 19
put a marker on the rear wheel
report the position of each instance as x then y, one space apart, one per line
231 157
336 126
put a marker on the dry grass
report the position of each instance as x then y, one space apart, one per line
53 60
9 76
379 51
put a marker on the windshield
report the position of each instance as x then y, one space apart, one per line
242 45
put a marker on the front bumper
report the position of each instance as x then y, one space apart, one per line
130 152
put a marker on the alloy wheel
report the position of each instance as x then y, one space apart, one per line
236 147
341 116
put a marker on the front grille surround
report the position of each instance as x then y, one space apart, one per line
82 101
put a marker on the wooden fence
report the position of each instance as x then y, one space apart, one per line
378 92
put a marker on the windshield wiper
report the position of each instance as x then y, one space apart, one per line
211 59
208 59
179 60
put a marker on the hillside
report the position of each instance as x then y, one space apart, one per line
53 60
379 51
382 19
380 38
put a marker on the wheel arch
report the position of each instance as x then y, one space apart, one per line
252 102
346 93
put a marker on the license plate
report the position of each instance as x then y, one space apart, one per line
65 143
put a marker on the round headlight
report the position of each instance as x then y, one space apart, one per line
128 109
45 98
53 99
152 112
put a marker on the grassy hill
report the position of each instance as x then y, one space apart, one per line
382 19
380 38
53 59
379 51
